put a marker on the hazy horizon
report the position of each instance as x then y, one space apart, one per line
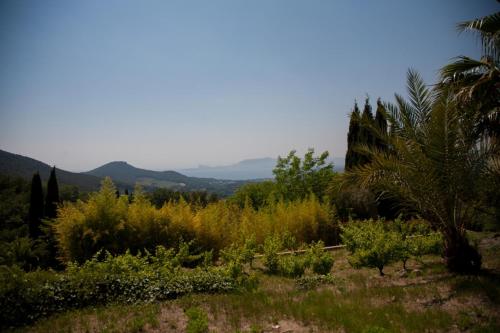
177 84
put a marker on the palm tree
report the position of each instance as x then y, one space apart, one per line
431 168
476 83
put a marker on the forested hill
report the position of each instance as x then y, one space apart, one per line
126 173
123 175
24 167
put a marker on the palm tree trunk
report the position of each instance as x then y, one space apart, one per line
459 255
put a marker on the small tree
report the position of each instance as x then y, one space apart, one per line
272 245
371 244
297 179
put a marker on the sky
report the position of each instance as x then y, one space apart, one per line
173 84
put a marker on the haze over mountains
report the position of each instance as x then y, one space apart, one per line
123 174
126 173
223 180
258 168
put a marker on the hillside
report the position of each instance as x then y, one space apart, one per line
24 167
126 173
123 174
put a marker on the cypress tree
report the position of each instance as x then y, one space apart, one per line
52 198
381 123
351 157
366 133
366 136
35 213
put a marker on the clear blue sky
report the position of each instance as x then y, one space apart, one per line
172 84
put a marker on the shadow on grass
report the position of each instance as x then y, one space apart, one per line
487 283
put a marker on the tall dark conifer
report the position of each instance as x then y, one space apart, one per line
366 132
35 214
52 198
381 123
366 136
351 157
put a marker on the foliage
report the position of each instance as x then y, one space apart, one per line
320 261
474 82
35 213
417 239
378 243
351 201
124 279
52 198
371 244
197 321
115 225
297 179
352 157
160 196
433 168
258 195
292 265
272 245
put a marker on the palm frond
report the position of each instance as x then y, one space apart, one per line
421 97
488 30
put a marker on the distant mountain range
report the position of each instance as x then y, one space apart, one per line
258 168
128 174
25 167
123 174
223 180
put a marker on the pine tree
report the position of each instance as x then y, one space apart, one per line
351 157
52 198
381 123
35 214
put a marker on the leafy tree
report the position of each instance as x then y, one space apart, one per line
52 198
35 213
259 194
297 179
433 169
16 247
371 244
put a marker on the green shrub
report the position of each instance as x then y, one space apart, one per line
291 265
421 245
197 321
272 245
24 297
320 261
371 244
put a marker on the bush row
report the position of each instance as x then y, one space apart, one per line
376 243
109 222
25 297
295 265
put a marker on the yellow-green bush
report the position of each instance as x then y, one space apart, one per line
111 223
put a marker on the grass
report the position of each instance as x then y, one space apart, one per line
425 299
